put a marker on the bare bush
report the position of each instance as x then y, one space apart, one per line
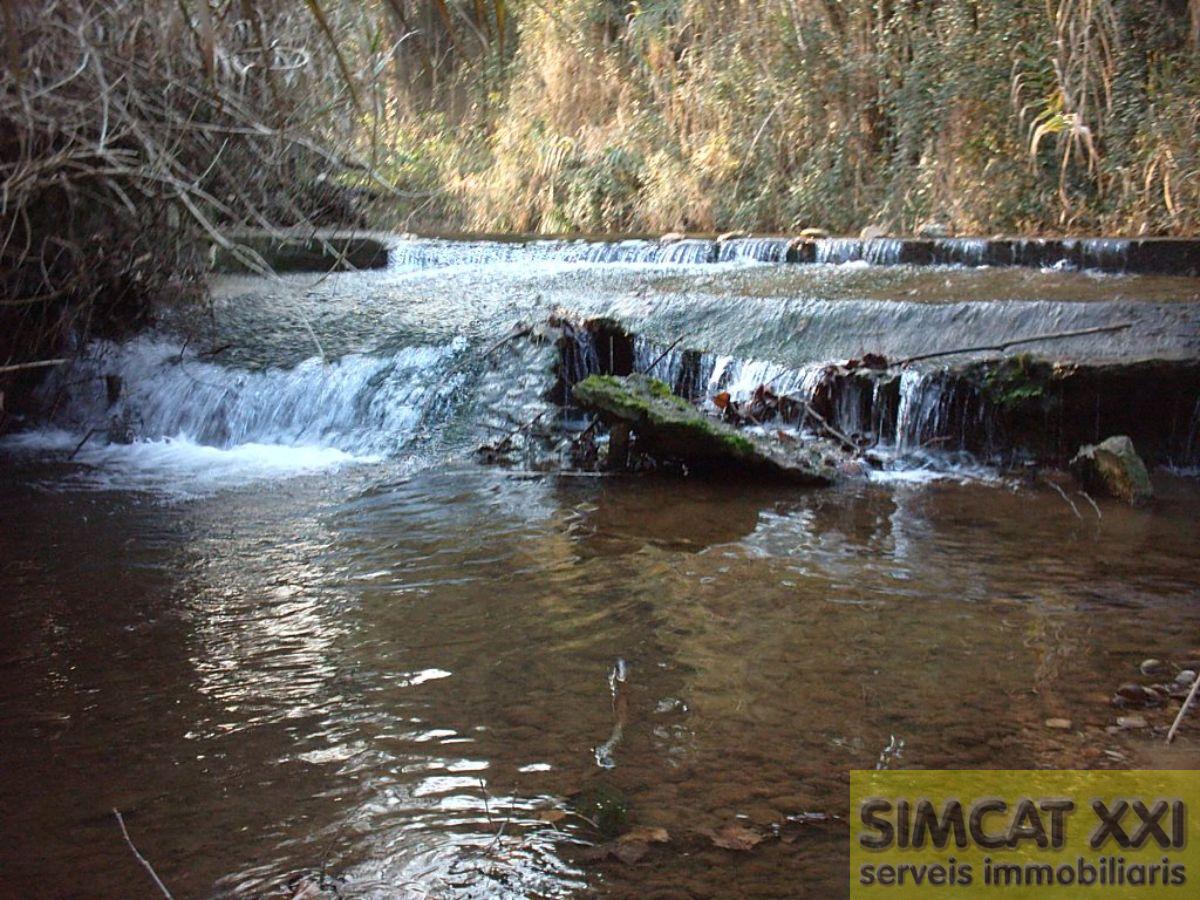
135 133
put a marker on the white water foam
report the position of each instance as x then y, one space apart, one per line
187 426
176 467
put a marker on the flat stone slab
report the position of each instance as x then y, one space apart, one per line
668 427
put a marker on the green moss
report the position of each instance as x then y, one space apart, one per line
669 427
634 395
604 806
1016 382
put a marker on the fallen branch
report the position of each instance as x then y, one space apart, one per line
848 444
79 446
1183 710
1100 329
1063 494
40 364
671 346
149 868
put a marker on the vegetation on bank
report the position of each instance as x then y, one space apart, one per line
1016 116
134 134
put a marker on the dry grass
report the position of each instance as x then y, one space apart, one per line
1021 115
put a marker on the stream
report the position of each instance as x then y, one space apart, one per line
297 635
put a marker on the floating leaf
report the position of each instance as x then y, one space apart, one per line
645 834
735 837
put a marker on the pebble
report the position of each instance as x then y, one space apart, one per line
1187 676
1131 694
1131 722
1061 724
1153 667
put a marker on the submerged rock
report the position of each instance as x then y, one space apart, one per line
668 427
1153 667
1113 467
604 806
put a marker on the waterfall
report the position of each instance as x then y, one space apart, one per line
839 250
363 405
1106 254
884 251
688 252
774 250
877 251
961 251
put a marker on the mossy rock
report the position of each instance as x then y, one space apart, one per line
668 427
604 806
1114 468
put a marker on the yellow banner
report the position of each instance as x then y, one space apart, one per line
1010 834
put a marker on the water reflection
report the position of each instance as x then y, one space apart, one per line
394 679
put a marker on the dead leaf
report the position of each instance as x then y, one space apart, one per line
735 837
628 849
721 400
645 834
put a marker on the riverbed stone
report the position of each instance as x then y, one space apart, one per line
1152 667
1135 696
605 806
668 427
1114 468
1131 723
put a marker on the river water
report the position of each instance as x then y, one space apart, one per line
295 631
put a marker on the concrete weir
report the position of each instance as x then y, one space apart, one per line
1161 256
1152 255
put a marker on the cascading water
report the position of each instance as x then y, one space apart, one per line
876 251
912 419
363 405
400 385
883 251
773 250
1103 254
838 250
961 251
177 422
685 252
1108 254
